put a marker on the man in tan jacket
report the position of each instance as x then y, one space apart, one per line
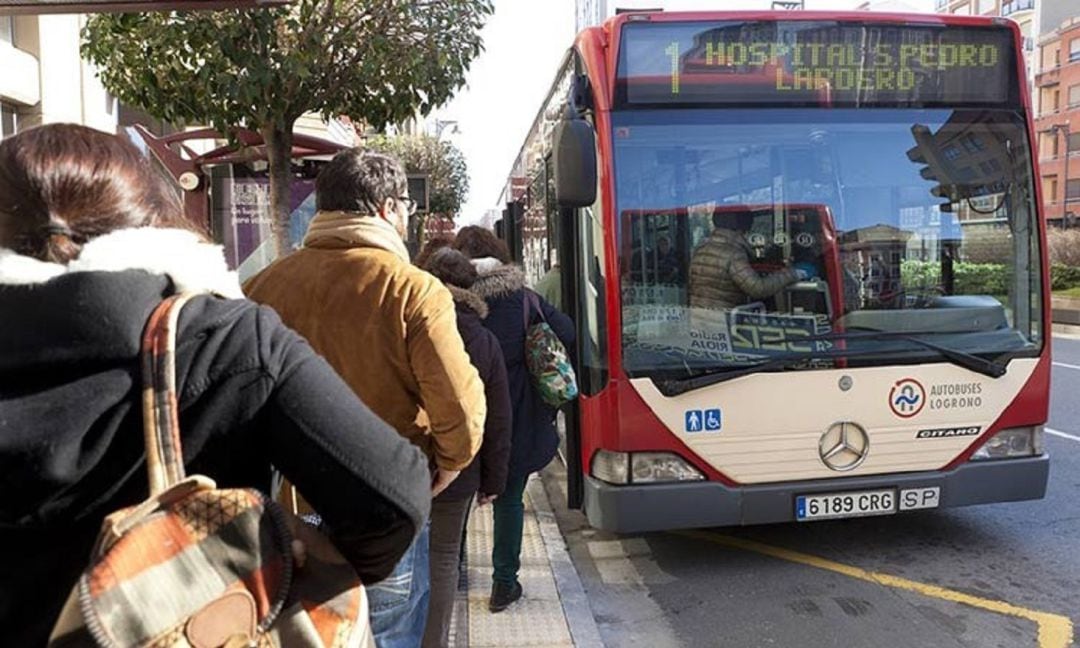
721 276
389 329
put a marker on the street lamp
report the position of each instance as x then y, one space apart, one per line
440 126
1054 128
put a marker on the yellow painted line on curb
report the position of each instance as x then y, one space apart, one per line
1055 630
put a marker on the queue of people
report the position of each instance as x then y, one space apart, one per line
392 395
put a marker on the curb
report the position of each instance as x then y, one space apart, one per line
1067 330
583 629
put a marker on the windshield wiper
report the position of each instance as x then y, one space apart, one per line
994 369
676 386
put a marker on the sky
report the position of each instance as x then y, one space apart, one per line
524 41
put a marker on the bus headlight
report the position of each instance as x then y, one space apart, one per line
653 467
612 467
1014 442
642 468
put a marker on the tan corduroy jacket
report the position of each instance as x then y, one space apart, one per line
387 327
721 276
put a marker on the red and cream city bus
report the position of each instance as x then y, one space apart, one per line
887 158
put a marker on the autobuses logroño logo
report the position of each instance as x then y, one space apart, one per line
908 397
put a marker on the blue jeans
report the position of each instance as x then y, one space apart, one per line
399 604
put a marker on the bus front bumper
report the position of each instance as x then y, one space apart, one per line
656 507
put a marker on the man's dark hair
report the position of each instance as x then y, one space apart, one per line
740 220
359 181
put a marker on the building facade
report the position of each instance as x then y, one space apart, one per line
45 79
1022 11
1058 122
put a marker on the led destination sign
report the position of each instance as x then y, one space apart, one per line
840 64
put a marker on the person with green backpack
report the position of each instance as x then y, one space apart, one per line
535 339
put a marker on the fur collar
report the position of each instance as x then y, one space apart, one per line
497 280
470 300
193 266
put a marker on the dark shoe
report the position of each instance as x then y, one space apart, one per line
503 594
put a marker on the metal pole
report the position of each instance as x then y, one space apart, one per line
1065 174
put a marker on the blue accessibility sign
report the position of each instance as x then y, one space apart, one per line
710 420
713 420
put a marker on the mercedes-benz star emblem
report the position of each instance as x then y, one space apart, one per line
843 446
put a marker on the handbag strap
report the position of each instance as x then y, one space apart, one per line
531 298
161 423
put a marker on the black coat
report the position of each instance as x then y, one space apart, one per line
251 393
487 473
535 440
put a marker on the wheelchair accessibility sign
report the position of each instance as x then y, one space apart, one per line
710 420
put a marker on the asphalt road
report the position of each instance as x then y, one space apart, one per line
985 576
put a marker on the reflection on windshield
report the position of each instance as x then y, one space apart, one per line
751 234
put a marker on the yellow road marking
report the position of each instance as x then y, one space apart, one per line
1055 630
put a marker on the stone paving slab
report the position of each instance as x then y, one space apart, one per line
553 611
538 618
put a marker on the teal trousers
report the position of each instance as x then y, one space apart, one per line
509 524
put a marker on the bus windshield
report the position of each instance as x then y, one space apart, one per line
750 234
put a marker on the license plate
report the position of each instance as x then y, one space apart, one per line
842 505
912 499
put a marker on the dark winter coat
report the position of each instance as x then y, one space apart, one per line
251 394
487 473
535 440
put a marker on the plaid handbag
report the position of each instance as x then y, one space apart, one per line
546 358
195 566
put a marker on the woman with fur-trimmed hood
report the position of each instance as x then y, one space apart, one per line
486 475
535 440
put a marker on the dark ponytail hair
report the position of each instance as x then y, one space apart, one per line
62 185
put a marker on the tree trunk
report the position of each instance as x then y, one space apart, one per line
418 231
279 157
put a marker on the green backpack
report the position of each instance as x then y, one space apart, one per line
546 357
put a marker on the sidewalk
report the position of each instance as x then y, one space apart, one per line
553 612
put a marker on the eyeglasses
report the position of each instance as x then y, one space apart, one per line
410 204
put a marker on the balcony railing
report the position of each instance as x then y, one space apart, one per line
1015 6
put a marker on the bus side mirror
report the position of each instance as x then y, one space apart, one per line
575 164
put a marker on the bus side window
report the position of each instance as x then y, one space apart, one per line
592 305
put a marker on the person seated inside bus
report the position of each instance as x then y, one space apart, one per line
721 276
667 262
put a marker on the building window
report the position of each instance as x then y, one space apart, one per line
1072 191
7 29
1073 143
9 120
972 143
1074 95
1074 50
1050 187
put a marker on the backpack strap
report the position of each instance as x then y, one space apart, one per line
161 424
